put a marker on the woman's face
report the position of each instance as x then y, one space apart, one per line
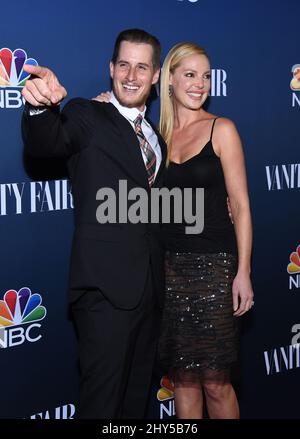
191 82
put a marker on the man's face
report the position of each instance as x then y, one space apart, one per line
133 74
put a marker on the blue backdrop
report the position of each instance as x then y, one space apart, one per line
254 51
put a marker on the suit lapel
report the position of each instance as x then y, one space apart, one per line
129 153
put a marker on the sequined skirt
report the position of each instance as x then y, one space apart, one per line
199 332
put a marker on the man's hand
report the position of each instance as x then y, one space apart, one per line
44 88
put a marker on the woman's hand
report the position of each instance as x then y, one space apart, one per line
242 294
103 97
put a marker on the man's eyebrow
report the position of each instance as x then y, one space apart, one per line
143 64
139 63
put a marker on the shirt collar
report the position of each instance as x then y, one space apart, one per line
129 113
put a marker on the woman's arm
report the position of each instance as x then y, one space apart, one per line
228 146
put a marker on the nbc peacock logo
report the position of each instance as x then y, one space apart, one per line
295 81
13 76
165 396
295 85
19 313
293 269
166 391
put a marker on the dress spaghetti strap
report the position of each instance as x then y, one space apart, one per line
212 128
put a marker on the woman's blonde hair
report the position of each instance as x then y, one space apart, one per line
171 62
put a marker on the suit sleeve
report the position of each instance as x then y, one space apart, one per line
56 133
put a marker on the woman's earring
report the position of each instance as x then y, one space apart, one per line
170 91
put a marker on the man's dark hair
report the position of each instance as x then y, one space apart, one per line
138 36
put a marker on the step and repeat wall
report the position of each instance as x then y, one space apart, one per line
255 58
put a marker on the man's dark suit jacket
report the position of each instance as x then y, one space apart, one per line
102 148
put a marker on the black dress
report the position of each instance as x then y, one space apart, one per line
199 333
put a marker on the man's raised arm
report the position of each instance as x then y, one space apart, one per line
46 131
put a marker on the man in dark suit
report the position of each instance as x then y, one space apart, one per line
116 271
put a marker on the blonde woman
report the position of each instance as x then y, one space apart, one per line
207 275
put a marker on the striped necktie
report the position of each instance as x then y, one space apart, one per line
147 149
